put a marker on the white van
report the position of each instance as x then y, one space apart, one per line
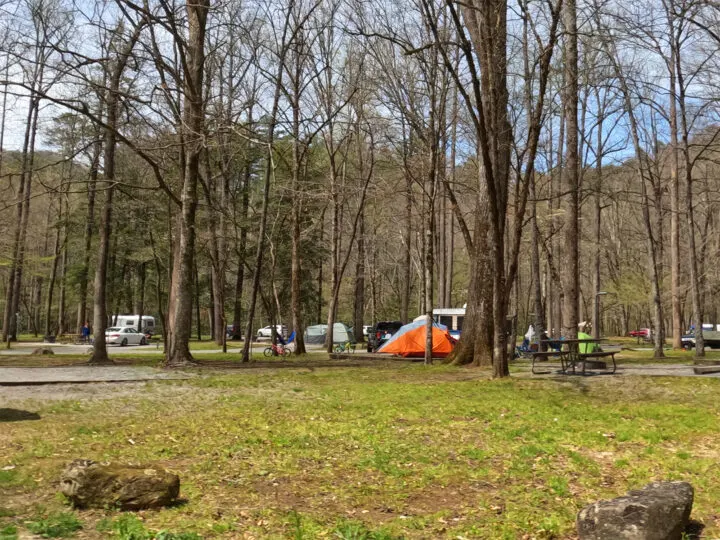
148 322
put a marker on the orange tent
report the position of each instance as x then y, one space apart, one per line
412 342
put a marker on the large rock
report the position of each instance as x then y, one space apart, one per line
659 511
91 485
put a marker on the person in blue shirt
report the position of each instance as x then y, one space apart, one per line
85 332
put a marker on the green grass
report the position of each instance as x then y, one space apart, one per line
395 451
58 525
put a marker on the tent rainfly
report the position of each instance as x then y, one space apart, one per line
409 341
317 333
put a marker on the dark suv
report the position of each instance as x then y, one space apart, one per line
380 333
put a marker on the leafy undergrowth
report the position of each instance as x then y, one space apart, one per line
399 451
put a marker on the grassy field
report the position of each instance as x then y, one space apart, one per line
396 451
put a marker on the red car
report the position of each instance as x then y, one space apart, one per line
642 333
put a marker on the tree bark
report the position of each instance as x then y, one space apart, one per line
112 102
177 348
570 274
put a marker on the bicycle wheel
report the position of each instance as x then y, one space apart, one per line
285 351
268 351
339 349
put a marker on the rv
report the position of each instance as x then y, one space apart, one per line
452 318
148 322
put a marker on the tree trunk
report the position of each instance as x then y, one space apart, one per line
677 329
89 224
405 286
112 101
242 246
177 348
53 274
359 296
570 274
269 166
23 209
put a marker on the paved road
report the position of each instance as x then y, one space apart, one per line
11 376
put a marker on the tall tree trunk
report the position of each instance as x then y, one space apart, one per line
570 274
677 329
89 225
359 296
112 102
62 300
476 346
51 284
23 210
597 210
242 244
296 84
177 348
3 113
405 285
696 294
268 174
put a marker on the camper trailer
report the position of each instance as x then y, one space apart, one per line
148 322
452 318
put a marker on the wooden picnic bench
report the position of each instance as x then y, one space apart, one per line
571 356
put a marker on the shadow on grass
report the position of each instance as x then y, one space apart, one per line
17 415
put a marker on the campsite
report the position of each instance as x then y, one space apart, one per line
359 270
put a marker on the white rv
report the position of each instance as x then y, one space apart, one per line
148 322
453 318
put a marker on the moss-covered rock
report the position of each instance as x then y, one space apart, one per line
92 485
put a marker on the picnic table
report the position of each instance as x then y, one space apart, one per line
568 350
69 339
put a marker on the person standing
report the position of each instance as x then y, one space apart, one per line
85 332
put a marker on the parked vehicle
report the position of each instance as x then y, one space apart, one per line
124 335
453 318
380 333
148 322
643 333
266 332
711 337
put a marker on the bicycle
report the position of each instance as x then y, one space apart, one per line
347 347
91 348
279 350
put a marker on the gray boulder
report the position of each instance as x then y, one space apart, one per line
659 511
92 485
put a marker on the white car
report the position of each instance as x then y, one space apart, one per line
124 335
267 331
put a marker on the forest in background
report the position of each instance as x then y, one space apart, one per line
243 163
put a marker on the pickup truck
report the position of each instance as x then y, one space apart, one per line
710 337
